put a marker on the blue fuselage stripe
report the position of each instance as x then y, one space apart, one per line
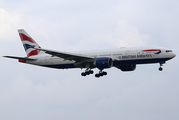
140 61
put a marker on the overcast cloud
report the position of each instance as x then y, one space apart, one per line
31 92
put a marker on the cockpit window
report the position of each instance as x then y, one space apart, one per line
168 50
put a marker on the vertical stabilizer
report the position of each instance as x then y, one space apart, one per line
28 43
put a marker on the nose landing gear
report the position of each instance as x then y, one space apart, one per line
161 64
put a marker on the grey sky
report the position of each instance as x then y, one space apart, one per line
32 92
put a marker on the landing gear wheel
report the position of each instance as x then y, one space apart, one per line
97 75
101 74
91 72
104 73
83 74
160 69
87 72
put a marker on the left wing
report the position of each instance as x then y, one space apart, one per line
68 56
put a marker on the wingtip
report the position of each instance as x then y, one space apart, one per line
4 56
7 56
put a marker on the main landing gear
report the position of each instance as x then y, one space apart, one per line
87 72
161 64
101 73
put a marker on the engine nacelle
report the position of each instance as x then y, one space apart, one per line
104 62
131 67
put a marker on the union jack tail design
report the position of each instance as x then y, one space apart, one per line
29 43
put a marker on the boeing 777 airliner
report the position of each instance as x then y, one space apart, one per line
124 59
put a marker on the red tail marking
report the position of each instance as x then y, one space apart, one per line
23 61
25 38
34 52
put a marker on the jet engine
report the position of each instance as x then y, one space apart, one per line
104 62
131 67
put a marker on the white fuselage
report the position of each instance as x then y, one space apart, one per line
120 56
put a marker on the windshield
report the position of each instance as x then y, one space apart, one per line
168 50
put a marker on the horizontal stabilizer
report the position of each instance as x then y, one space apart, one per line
21 58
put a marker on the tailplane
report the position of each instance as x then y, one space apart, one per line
29 43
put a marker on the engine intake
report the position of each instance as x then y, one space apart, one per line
104 62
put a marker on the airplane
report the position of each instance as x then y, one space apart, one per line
124 59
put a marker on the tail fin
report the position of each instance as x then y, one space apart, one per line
28 43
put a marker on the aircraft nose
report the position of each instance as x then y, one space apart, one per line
173 55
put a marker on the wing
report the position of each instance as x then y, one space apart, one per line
68 56
21 58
